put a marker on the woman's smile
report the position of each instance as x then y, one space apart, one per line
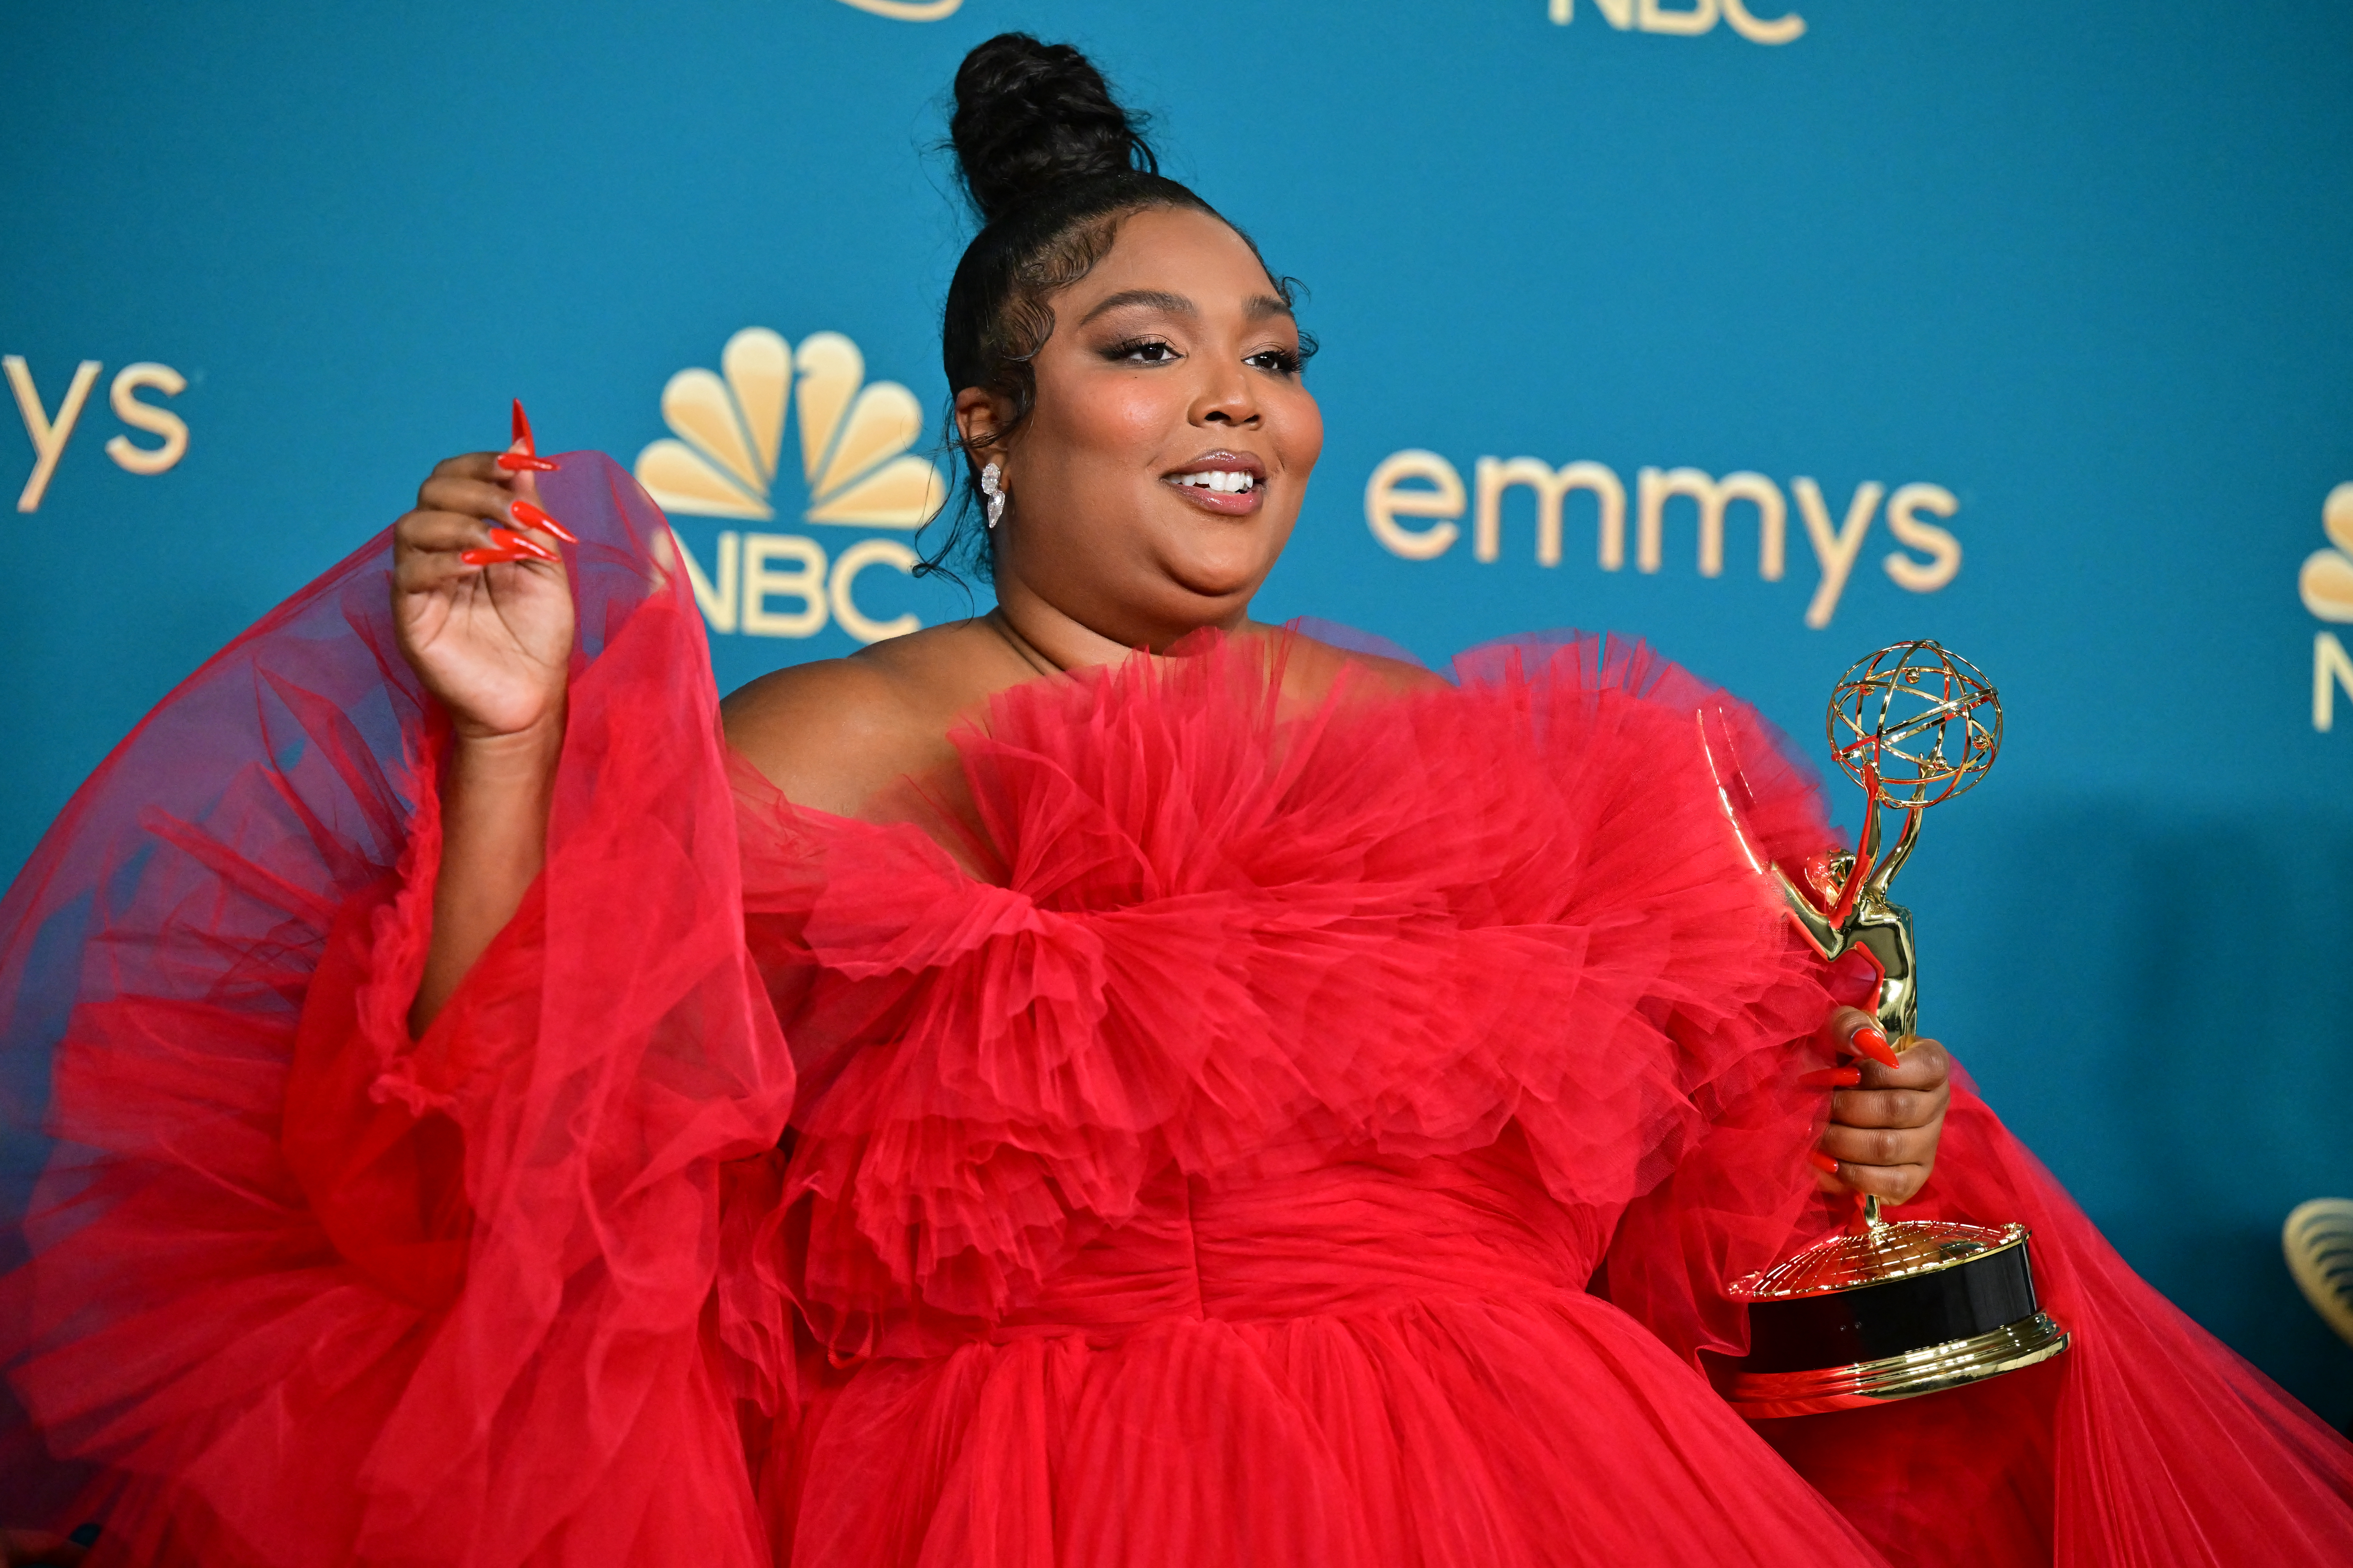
1229 483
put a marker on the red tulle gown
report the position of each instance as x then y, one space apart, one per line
1282 1131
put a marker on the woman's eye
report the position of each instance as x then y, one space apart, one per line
1146 353
1280 362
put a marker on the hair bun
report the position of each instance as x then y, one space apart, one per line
1030 116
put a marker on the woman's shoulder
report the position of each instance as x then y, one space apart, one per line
1314 666
834 732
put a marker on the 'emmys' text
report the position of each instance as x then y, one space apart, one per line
1426 488
49 433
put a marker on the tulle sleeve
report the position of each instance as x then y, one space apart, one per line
294 1289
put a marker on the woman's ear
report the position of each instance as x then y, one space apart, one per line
979 415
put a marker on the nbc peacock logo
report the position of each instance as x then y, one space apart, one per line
725 455
2326 585
907 10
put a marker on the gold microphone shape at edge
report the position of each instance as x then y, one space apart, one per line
1886 1310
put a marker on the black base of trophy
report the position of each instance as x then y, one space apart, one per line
1890 1311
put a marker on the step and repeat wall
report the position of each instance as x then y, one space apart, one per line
1769 331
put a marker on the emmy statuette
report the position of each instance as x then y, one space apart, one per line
1887 1308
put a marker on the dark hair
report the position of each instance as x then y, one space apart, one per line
1050 163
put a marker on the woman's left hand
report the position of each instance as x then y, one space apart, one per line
1884 1120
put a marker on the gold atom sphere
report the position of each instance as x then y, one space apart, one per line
1914 723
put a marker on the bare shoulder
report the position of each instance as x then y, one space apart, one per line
1395 674
834 732
1316 665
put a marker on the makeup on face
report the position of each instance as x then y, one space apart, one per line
1161 468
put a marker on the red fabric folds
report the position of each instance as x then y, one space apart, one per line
1229 932
1290 1128
315 1292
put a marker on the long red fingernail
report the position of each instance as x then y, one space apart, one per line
531 516
516 462
490 557
523 427
1833 1078
1872 1041
501 538
1822 1162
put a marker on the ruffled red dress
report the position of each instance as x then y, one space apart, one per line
1286 1132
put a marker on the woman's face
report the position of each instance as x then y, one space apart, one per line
1162 465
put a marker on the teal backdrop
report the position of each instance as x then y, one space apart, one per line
2025 327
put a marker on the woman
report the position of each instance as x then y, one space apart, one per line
1017 1099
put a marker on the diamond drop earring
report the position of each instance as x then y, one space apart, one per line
989 488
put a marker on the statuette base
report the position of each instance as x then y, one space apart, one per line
1765 1397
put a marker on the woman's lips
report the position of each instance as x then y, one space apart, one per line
1232 487
1225 503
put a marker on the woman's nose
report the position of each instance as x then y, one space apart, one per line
1226 400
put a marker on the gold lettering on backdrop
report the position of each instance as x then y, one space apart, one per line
50 435
1618 13
1386 501
1699 17
123 396
1656 18
1415 483
842 585
718 600
762 581
736 594
1835 551
726 456
1943 549
1763 29
1712 496
1551 489
2331 667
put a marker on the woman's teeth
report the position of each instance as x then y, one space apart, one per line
1219 480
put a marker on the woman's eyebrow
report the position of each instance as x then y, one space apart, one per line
1158 299
1257 308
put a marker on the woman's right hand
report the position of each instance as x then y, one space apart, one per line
484 613
485 617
